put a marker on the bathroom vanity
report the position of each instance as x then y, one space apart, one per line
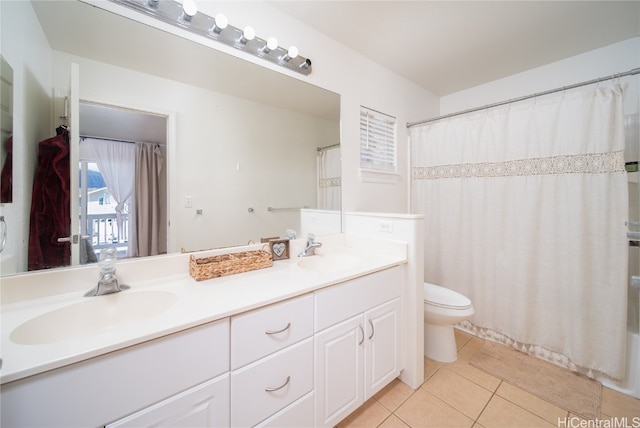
303 343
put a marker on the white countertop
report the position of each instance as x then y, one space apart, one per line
197 302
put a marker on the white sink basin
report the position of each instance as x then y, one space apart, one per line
329 262
91 316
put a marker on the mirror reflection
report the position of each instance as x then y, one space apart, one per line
244 152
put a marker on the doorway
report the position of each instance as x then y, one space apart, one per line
105 220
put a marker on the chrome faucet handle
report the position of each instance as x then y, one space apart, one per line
311 238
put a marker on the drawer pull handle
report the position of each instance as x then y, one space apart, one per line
286 382
361 331
278 331
373 331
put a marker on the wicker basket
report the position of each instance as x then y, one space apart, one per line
228 264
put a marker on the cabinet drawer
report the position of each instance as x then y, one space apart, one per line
261 389
342 301
264 331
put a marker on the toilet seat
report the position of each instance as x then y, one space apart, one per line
445 298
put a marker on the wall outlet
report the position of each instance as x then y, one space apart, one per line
188 201
385 226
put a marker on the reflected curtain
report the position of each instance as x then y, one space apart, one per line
148 237
116 161
329 179
525 208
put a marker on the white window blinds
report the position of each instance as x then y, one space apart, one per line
377 141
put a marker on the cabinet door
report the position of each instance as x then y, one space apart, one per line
339 354
382 350
205 405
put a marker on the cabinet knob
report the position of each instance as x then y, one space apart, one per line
361 331
373 331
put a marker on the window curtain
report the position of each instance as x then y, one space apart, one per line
148 236
329 179
525 208
116 161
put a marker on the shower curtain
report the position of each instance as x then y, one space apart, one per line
329 180
525 209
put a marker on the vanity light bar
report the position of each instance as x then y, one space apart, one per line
186 16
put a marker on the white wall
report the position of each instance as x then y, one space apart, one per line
602 62
27 51
223 156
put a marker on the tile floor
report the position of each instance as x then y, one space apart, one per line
459 395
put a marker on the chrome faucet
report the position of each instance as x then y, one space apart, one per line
310 248
108 282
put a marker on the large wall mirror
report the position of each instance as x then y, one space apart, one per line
245 152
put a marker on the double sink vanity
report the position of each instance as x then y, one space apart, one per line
302 343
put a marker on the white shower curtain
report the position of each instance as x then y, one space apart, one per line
329 180
525 208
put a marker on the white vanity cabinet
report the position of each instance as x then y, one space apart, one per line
272 363
357 343
112 386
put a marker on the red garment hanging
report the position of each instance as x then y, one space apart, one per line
6 177
50 216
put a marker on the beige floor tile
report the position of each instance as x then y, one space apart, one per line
615 403
530 402
458 391
475 375
393 422
471 347
501 413
424 410
393 395
370 414
462 338
430 367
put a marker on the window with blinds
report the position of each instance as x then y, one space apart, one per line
377 141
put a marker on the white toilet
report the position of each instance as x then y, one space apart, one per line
442 309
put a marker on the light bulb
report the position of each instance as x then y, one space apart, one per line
272 43
291 53
248 34
220 22
189 8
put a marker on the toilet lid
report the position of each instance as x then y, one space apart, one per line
444 297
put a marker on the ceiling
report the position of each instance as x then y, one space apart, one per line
448 46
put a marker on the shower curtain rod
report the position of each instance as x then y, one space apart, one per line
118 140
321 149
526 97
108 139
